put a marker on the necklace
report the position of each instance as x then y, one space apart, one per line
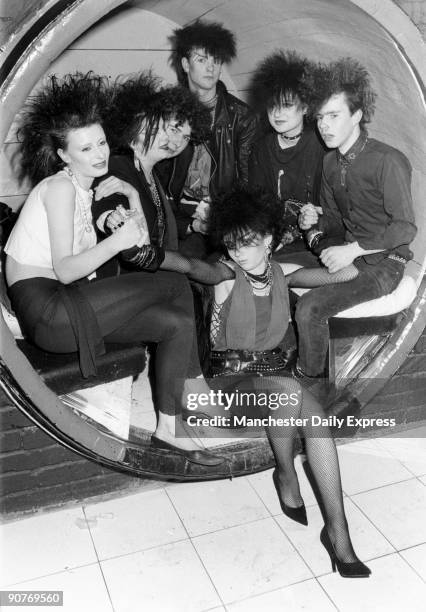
161 221
260 282
290 138
84 208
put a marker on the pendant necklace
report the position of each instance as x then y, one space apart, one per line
84 209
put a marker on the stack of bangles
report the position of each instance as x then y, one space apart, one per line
146 257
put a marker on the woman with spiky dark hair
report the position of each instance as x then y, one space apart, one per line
53 255
250 313
287 160
75 101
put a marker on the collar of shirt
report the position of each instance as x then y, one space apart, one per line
354 151
345 160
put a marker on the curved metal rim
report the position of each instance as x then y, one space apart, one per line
382 365
140 459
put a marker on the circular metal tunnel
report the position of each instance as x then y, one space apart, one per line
37 34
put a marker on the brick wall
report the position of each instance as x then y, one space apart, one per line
404 396
36 472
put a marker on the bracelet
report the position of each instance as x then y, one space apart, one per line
191 226
313 237
147 257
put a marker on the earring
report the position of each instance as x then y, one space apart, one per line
136 160
268 253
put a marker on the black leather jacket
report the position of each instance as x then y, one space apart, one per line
230 144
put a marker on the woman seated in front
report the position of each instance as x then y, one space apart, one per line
249 318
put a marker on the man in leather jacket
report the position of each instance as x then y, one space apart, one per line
202 171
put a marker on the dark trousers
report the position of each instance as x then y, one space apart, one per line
136 307
314 308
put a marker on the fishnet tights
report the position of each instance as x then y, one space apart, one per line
309 278
320 447
321 454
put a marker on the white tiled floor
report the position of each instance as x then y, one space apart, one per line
226 546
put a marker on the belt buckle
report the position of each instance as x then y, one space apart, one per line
233 364
236 366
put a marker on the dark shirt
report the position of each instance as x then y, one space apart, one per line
159 217
366 197
123 168
288 173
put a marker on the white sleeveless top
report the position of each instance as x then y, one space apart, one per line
29 242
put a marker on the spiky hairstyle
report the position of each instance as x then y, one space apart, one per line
179 103
62 104
348 76
133 102
245 211
210 36
281 77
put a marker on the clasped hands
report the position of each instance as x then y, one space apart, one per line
132 220
130 223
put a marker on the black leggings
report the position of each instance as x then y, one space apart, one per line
136 307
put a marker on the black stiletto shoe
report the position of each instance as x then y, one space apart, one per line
200 457
296 514
354 569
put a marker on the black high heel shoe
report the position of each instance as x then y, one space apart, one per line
354 569
296 514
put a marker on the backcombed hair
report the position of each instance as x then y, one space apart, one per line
245 210
62 104
179 103
138 100
281 76
133 102
345 75
210 36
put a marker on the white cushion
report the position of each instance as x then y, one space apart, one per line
389 304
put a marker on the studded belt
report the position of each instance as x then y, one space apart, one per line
397 258
236 361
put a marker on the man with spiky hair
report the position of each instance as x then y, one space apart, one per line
366 204
204 170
